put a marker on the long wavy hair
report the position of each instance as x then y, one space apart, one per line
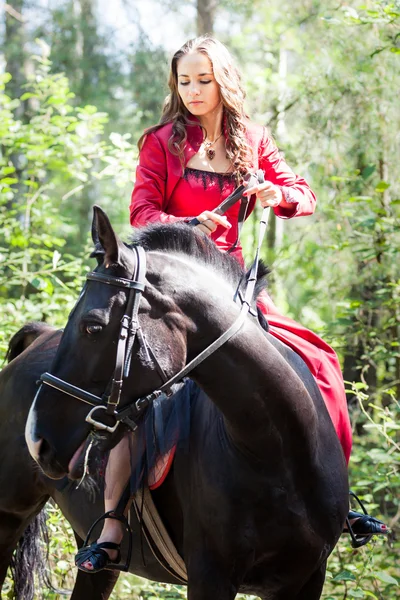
228 78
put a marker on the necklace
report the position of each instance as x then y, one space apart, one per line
208 147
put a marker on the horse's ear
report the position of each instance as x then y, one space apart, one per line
104 237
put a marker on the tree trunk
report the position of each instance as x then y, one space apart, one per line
14 52
17 64
85 46
85 49
206 16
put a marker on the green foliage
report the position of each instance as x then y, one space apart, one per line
38 279
46 161
148 80
372 571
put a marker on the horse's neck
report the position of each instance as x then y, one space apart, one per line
263 400
251 383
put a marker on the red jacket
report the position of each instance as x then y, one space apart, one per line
159 171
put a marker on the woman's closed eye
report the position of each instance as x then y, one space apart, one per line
187 82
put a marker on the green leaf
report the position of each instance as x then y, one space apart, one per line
360 199
27 95
382 186
370 594
5 77
356 594
359 385
55 100
364 483
367 171
386 578
8 180
337 178
344 576
7 170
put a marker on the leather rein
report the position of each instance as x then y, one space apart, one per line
130 332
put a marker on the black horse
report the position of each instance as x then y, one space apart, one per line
259 502
24 489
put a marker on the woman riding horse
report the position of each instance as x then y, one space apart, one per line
189 162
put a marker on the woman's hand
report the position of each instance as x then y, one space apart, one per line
209 222
267 193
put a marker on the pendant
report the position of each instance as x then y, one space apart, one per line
210 153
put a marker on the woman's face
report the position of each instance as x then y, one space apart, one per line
197 87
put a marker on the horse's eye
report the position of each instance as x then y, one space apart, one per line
91 329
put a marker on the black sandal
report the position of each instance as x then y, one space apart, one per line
96 553
365 526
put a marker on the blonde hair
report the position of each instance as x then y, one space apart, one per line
228 78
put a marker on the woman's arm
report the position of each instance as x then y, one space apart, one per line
148 196
297 197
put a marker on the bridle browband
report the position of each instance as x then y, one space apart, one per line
130 331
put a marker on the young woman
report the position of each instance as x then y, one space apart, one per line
188 163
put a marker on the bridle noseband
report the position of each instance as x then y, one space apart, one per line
130 331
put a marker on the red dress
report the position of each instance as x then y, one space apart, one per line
196 191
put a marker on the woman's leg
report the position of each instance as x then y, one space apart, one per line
117 475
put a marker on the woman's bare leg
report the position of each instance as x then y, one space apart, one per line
117 475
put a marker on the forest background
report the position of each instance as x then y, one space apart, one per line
81 79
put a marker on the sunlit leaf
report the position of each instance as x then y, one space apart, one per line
386 578
344 576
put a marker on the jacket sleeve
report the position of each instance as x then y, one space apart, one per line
295 189
149 195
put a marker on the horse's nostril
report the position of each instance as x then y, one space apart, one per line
45 451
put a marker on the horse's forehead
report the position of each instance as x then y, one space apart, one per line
158 260
99 298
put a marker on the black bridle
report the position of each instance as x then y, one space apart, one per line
130 331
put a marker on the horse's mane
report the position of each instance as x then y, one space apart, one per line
184 239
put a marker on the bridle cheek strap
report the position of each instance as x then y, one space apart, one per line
129 328
127 334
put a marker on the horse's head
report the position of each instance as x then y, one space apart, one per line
95 350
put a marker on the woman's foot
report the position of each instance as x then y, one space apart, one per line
98 556
106 550
362 527
366 525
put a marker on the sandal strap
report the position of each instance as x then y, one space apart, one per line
353 514
97 555
366 525
106 545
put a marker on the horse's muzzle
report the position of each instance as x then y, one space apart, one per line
40 449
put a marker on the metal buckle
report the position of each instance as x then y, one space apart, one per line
142 403
99 424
